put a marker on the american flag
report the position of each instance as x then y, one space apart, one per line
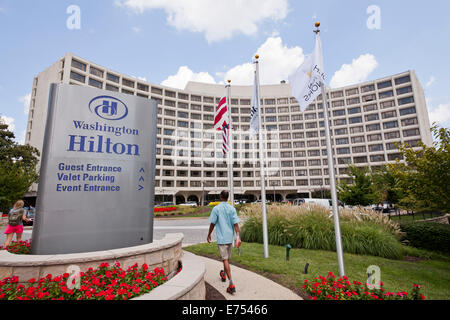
221 122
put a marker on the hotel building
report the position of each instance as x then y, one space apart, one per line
367 120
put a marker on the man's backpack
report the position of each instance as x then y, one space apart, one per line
15 218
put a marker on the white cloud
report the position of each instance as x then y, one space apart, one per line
26 102
440 115
276 63
430 82
184 75
217 19
140 78
136 29
9 121
356 72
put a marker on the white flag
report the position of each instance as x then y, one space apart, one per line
307 81
255 110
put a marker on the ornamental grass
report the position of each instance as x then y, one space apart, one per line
364 232
105 283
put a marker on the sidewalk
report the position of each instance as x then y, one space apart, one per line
249 285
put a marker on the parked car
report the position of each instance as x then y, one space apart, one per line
324 202
165 204
384 207
30 214
259 201
189 204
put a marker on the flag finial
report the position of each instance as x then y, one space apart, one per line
229 81
317 24
257 56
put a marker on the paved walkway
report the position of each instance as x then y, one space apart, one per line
249 285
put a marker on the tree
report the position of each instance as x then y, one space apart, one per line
387 183
361 191
17 168
321 193
425 176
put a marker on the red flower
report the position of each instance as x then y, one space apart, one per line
92 286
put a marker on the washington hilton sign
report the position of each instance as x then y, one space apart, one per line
96 189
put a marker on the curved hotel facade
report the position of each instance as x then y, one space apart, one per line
367 120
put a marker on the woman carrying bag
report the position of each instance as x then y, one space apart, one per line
15 223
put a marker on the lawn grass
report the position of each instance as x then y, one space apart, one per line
397 275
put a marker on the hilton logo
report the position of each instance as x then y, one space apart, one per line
108 108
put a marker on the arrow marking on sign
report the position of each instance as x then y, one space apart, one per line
141 179
140 188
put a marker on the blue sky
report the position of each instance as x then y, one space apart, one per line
216 39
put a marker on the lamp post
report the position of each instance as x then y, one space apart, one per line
288 248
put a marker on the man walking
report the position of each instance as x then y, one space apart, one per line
224 216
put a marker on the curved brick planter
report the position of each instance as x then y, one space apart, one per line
165 253
189 284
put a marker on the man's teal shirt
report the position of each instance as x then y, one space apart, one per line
224 216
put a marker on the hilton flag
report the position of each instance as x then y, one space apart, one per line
255 128
254 112
307 81
306 84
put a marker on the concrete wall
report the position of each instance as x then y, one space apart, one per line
189 284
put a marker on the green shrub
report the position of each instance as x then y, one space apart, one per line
313 229
428 235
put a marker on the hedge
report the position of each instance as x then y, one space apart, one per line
428 235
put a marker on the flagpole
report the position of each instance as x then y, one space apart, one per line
337 228
261 161
230 139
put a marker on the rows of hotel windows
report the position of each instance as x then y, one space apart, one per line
208 110
132 84
341 118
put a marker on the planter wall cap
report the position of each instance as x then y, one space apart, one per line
8 259
16 260
192 274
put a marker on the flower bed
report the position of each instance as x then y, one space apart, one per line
19 247
327 288
165 209
105 283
